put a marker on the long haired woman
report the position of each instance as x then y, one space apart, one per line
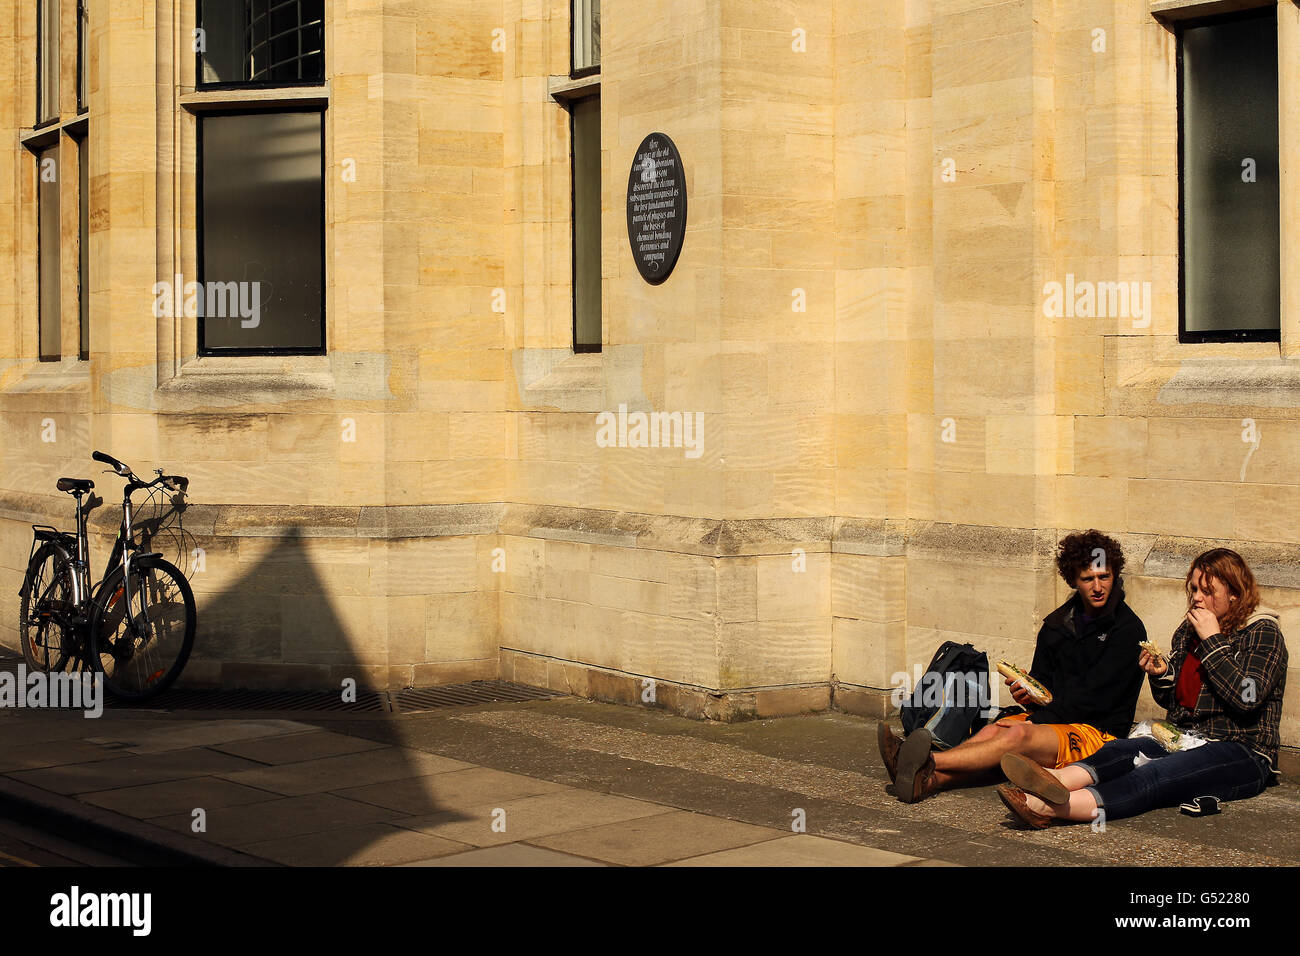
1222 684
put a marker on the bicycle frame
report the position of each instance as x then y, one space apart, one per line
124 550
77 557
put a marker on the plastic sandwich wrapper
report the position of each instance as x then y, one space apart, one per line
1185 739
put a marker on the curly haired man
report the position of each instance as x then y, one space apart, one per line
1085 656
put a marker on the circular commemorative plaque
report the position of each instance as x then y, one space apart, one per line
656 207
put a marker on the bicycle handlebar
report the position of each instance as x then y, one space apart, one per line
117 466
171 482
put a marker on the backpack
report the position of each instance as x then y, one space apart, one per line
950 698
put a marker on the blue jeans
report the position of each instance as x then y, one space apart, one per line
1223 769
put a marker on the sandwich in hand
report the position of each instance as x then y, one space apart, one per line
1152 648
1037 692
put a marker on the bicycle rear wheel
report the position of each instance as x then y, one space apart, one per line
46 603
142 656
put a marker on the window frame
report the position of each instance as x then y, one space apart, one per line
574 71
56 148
584 348
82 142
201 349
41 64
1228 335
83 82
234 86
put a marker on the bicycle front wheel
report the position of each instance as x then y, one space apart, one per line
142 655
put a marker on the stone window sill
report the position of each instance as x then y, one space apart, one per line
561 379
69 374
250 379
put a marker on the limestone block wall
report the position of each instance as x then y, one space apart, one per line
304 469
895 432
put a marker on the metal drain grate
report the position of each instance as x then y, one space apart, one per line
182 699
464 695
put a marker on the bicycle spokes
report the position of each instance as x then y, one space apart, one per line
46 626
137 653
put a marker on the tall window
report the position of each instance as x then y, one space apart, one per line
83 37
261 182
586 224
584 129
59 156
586 37
262 196
1228 129
83 244
47 61
47 192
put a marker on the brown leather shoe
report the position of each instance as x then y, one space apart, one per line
1014 798
889 743
1032 778
924 783
915 779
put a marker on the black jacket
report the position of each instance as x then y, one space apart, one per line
1091 667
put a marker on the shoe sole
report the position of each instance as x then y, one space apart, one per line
882 741
911 758
1031 778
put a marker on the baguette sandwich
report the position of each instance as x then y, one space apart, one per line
1152 648
1037 692
1168 735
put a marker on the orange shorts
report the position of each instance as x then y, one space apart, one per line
1073 741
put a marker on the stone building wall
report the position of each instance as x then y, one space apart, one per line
894 433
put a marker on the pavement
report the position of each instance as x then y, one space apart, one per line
558 782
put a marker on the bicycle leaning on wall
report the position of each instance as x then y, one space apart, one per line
136 626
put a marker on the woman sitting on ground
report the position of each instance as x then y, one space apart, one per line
1223 682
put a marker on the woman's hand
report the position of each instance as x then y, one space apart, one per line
1019 694
1206 624
1155 666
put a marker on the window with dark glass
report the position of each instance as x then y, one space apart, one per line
1228 125
261 42
83 232
261 233
83 37
47 61
47 191
586 224
586 37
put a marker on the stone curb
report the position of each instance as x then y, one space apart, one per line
73 819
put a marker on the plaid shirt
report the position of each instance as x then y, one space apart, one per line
1241 693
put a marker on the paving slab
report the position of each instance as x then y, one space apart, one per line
657 839
295 748
526 818
176 796
135 770
53 753
195 733
464 792
800 849
374 845
377 767
509 854
250 823
28 726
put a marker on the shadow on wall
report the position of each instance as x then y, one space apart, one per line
289 790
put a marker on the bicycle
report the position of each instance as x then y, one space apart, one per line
65 623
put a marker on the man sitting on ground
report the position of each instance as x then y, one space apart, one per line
1085 656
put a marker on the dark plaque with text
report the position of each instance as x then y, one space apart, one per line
656 207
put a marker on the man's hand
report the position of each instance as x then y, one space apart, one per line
1155 666
1019 694
1206 624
